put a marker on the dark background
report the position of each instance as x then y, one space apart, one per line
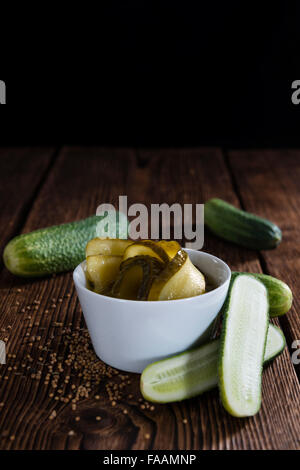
152 74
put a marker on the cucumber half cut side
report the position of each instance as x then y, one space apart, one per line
243 340
194 372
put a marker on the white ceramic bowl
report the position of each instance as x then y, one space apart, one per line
130 334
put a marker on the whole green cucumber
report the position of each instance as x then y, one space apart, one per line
240 227
60 247
280 295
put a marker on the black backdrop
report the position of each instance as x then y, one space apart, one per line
153 73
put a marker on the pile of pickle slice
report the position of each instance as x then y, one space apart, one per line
141 270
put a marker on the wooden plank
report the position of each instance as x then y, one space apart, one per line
80 180
268 182
195 176
21 171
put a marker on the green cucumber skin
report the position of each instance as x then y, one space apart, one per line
240 227
50 250
280 295
275 352
221 382
188 394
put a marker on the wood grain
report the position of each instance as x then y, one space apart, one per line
196 176
74 188
269 185
21 171
79 181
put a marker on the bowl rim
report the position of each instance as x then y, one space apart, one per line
206 295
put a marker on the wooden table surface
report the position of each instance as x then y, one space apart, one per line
45 186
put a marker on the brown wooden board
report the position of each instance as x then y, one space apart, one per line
196 176
21 171
269 185
79 181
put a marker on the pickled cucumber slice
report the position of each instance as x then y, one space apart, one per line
101 271
136 277
194 372
107 246
179 279
170 247
146 248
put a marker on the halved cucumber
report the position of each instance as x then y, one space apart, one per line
183 376
275 343
194 372
279 293
243 340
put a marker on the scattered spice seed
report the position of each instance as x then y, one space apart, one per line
184 421
147 436
12 438
98 418
53 415
71 433
74 375
77 418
